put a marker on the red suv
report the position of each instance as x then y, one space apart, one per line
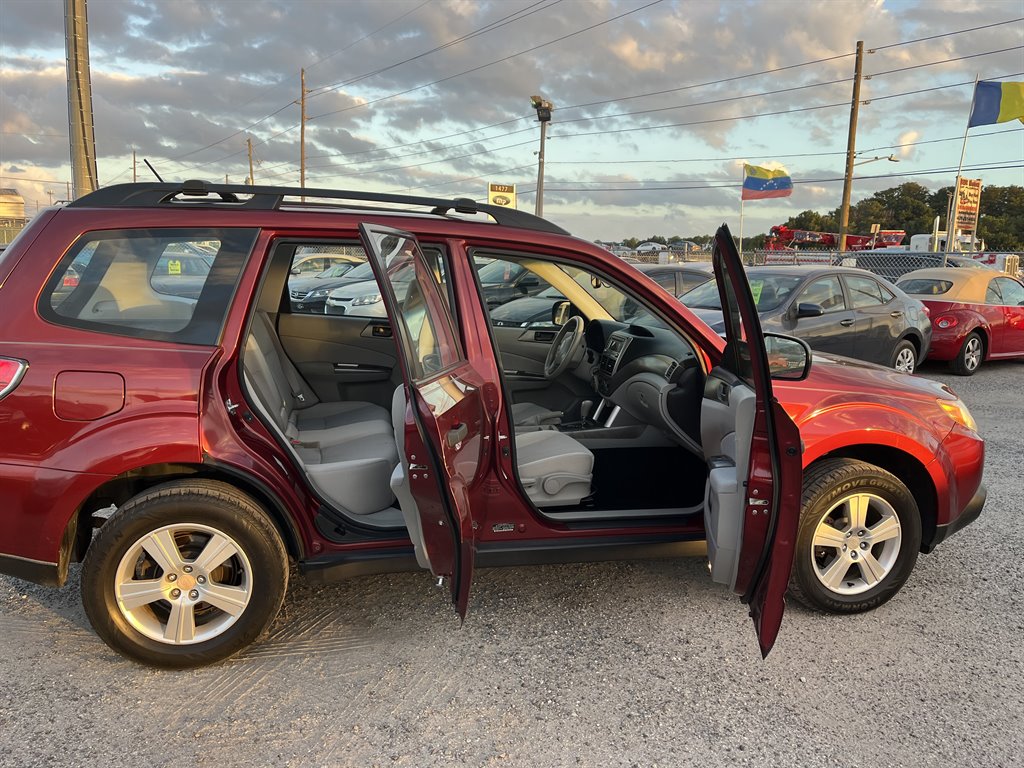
187 447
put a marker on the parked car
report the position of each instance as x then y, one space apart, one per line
502 281
976 315
186 450
311 260
651 248
839 310
674 278
309 294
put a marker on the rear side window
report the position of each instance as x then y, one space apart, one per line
921 286
865 292
161 284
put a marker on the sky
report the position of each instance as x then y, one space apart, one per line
658 103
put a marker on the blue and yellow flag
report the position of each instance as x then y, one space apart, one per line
997 103
762 183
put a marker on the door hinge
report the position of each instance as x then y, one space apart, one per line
232 407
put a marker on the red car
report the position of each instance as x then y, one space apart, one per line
976 314
186 449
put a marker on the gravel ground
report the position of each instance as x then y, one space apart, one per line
609 664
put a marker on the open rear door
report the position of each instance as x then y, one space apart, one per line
439 419
752 505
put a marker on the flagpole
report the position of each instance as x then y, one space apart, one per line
950 228
743 176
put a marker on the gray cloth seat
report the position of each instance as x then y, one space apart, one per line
533 415
346 448
554 469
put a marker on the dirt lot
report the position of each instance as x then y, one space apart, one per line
617 664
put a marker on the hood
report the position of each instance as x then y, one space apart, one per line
836 381
307 284
712 318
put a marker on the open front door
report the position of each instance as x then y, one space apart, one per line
439 419
752 505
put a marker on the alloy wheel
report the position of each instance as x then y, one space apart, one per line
183 584
856 544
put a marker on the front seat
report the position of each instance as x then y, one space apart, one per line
554 469
533 415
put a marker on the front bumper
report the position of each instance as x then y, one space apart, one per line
968 516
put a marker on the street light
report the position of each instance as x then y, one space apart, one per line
890 158
844 211
543 107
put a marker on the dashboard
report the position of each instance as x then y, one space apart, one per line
651 373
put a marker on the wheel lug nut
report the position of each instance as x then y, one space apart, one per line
863 545
849 534
201 579
854 554
172 577
845 547
187 569
175 593
861 533
194 594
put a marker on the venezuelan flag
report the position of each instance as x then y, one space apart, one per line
762 183
997 103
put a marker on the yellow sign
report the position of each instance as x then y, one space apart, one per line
174 267
502 194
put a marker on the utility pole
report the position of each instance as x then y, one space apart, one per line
248 143
543 107
851 147
302 129
82 135
135 175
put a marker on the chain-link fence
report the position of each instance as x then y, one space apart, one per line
888 264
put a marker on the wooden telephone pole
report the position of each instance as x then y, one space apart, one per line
302 129
851 147
248 143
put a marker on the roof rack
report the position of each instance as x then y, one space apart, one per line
259 198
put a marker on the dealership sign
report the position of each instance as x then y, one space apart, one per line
968 202
502 194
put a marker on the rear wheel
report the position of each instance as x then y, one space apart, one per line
860 532
185 574
969 358
904 357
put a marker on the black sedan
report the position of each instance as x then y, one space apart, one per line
309 292
677 279
839 310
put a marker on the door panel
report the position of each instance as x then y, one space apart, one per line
443 454
343 358
752 447
523 352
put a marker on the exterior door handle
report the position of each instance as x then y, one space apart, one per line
896 313
457 434
846 323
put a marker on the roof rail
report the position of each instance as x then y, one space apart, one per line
260 198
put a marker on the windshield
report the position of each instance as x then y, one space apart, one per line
363 272
769 291
336 271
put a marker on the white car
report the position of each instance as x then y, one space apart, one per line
651 248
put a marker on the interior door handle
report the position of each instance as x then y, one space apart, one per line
457 434
846 323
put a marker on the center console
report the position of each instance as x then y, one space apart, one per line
608 364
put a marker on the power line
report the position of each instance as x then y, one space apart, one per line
943 61
944 34
489 64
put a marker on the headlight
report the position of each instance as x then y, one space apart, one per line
362 301
959 413
318 294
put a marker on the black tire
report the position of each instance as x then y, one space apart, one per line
829 487
904 357
196 511
968 360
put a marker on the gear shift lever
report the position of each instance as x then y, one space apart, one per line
585 407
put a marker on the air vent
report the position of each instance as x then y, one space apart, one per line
672 370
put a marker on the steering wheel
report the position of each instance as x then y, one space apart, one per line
566 348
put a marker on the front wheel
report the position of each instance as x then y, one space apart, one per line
860 532
185 574
969 358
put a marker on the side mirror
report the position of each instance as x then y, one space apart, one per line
530 281
560 313
809 310
295 271
789 358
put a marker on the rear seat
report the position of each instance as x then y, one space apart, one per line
347 448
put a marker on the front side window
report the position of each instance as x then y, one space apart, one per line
1011 291
162 284
826 292
993 295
